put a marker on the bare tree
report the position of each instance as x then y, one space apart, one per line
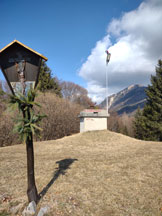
121 124
75 94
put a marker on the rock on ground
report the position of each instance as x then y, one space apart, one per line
30 209
43 211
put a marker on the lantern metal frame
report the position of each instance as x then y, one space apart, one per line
20 66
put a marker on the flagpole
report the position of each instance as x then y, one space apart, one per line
107 106
107 61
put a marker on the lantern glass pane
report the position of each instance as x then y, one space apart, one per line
17 87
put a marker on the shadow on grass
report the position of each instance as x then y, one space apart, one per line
63 165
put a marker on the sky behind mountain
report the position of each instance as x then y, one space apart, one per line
135 52
74 35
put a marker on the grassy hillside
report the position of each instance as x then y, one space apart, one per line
94 173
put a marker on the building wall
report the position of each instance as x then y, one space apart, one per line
81 125
90 124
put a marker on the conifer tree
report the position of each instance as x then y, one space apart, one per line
148 124
47 82
138 125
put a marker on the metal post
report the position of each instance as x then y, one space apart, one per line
107 61
107 106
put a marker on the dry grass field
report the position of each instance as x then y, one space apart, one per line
94 173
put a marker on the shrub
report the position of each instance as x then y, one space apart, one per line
7 137
62 120
62 116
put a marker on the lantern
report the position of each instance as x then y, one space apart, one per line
20 66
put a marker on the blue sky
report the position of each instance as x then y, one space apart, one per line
65 31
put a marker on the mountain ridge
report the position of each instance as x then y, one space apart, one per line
127 100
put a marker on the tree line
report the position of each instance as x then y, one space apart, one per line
64 89
146 124
62 101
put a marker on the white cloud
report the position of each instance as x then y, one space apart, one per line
134 55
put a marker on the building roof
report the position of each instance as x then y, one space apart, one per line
18 42
94 113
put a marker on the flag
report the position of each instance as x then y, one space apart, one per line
108 56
